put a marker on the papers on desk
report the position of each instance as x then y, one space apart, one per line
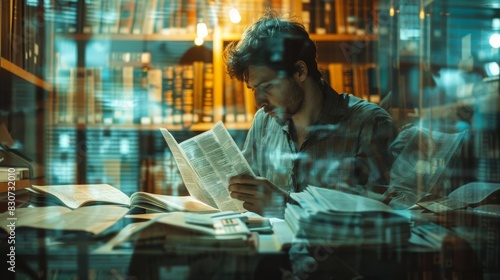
471 195
338 218
180 232
75 196
91 219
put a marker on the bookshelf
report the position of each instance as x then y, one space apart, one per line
432 57
120 74
24 85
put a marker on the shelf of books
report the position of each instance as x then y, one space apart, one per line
22 96
15 71
123 69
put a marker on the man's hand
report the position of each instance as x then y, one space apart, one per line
257 193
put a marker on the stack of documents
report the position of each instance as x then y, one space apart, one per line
333 217
180 232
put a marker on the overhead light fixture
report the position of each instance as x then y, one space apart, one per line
495 40
201 30
201 33
199 41
492 69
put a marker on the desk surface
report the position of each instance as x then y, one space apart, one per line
98 259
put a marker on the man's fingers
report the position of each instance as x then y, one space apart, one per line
252 198
245 179
244 189
252 207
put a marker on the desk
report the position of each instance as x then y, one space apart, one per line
40 256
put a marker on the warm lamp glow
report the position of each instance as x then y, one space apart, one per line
198 41
234 15
201 30
422 14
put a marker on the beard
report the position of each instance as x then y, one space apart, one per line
292 103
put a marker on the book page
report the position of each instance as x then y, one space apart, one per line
75 196
175 203
90 219
334 200
188 174
475 192
216 158
31 216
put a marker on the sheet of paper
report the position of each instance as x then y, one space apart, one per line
92 219
75 196
188 173
214 157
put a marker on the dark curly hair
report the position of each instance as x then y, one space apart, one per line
275 41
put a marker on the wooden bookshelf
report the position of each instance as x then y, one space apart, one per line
131 37
18 72
164 45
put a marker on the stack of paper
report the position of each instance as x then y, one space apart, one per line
334 217
180 232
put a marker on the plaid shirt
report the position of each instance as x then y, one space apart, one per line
347 128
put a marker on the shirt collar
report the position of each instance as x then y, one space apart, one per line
334 107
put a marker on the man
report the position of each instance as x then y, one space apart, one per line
304 132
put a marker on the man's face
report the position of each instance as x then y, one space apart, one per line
281 97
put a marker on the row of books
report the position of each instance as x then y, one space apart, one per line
361 80
22 34
160 16
355 17
128 16
173 94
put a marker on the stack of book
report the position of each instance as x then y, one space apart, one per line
17 172
327 216
185 233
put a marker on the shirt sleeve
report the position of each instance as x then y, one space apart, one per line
250 145
377 136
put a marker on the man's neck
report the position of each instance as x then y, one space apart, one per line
309 113
312 106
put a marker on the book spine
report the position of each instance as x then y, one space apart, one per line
199 69
306 15
177 94
149 17
208 94
229 114
90 95
139 17
140 96
239 101
80 95
348 79
154 88
336 74
98 103
92 17
127 107
126 16
168 94
188 95
340 17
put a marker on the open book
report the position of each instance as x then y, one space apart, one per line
76 196
479 196
92 219
206 162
